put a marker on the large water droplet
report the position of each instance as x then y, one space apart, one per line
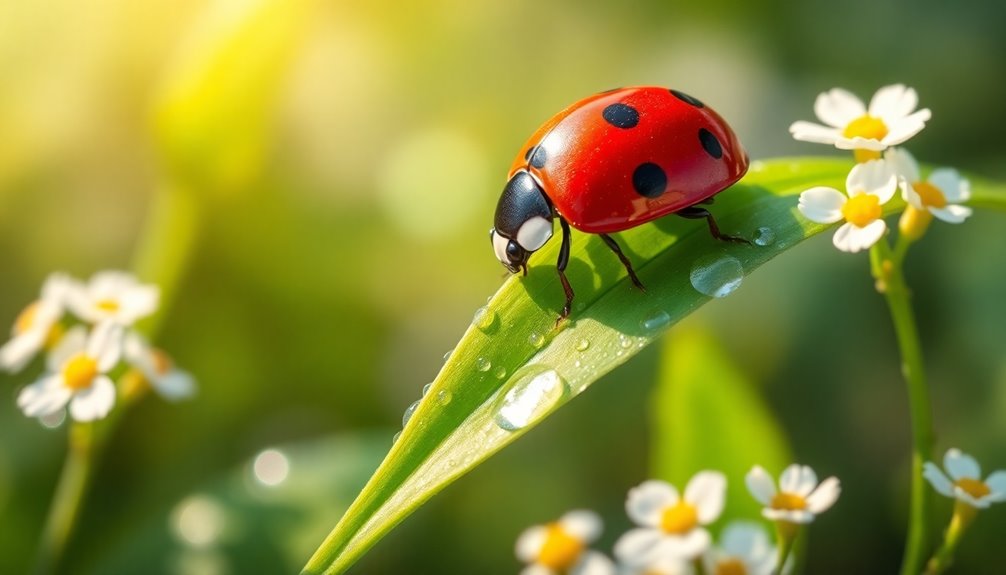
764 237
426 389
533 393
717 276
408 412
394 438
582 345
444 397
483 364
656 321
484 318
536 339
500 372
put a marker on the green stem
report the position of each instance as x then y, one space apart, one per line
944 556
786 534
887 268
161 256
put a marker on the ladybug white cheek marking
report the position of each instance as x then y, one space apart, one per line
534 233
499 246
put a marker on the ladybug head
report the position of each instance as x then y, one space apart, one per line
523 222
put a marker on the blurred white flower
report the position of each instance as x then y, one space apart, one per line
37 324
77 368
744 549
870 185
671 525
113 296
659 566
965 480
941 195
890 120
158 369
799 497
561 547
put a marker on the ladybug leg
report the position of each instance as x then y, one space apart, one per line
560 266
697 213
625 261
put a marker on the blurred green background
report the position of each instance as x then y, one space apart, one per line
346 158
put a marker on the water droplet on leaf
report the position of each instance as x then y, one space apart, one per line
408 413
582 345
656 321
533 393
764 237
483 364
444 397
536 339
484 318
717 276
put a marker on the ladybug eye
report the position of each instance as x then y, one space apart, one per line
514 252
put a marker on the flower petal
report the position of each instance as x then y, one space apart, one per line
105 345
760 484
949 181
745 539
593 563
94 402
687 546
583 524
73 342
638 546
952 214
647 501
874 177
907 127
852 239
891 103
838 107
824 496
176 385
139 302
937 479
814 133
903 164
801 516
822 204
16 353
798 479
530 542
959 465
45 396
707 492
966 497
537 569
997 485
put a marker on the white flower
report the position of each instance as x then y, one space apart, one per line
35 325
659 566
941 194
889 121
799 498
114 296
561 547
77 367
671 525
870 185
744 549
965 482
158 369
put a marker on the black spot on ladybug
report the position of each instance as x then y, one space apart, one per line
621 115
710 143
688 99
538 157
649 180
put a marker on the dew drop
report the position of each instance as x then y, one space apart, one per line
533 393
582 345
764 237
717 276
444 397
394 438
483 364
624 341
536 339
500 372
447 355
484 318
408 412
426 389
656 321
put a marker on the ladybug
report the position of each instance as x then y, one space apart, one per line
611 162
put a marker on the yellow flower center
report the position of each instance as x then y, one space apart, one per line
931 196
730 566
560 550
26 319
788 502
862 210
974 487
866 126
679 519
162 361
79 372
108 304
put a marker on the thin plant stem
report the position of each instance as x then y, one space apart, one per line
163 252
887 270
786 534
964 514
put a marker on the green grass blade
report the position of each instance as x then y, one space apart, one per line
515 367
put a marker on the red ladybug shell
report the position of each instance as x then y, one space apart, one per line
624 157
